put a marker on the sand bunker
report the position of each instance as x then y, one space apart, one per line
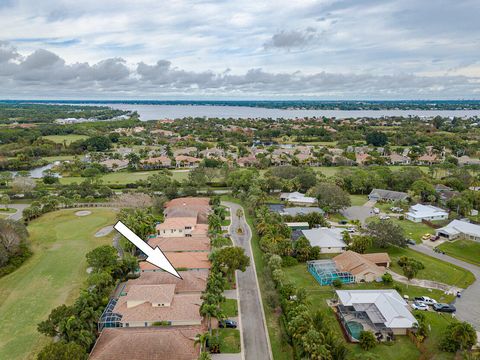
83 213
105 231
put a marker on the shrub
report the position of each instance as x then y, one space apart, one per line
289 261
337 283
367 340
387 278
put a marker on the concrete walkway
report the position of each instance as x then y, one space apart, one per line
256 344
427 284
467 306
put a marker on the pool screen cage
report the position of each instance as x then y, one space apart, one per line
325 272
109 319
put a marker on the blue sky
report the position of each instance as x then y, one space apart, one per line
350 49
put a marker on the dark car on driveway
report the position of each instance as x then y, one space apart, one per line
410 242
227 324
444 308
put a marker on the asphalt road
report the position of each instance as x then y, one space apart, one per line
255 336
468 308
19 207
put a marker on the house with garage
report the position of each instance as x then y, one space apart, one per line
329 240
297 198
387 195
365 267
383 312
419 212
458 229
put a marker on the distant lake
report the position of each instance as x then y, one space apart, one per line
155 112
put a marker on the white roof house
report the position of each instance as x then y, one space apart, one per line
420 212
381 306
329 240
297 198
458 228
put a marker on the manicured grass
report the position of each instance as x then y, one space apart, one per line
466 250
229 340
68 139
414 230
58 158
230 308
52 276
125 177
437 323
281 350
435 269
358 200
7 211
318 295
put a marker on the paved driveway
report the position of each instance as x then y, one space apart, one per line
256 344
19 207
468 308
357 213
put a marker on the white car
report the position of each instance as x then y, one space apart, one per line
376 210
417 305
426 300
384 217
351 230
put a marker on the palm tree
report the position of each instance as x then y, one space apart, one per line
202 340
208 311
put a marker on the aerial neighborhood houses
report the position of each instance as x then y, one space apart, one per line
387 195
419 212
297 198
156 309
458 229
329 240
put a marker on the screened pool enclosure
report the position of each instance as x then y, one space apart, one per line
325 272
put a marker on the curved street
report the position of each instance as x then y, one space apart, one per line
467 306
253 326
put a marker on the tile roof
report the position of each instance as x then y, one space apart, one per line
356 263
192 280
188 201
184 307
160 293
196 243
325 237
182 260
177 223
147 343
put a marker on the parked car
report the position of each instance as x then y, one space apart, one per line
434 237
227 324
351 230
396 209
410 242
426 236
417 305
426 300
376 210
444 308
343 222
384 217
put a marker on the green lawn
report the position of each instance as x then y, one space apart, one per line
230 308
52 276
466 250
7 211
229 340
58 158
358 200
125 177
68 139
403 347
414 230
435 269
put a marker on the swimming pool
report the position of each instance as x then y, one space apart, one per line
354 328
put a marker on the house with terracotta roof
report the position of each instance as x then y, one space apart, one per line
189 207
361 158
365 267
184 161
192 281
397 159
181 260
428 159
147 343
185 151
176 227
179 244
247 161
149 305
156 162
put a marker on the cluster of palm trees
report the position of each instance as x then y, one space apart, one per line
44 205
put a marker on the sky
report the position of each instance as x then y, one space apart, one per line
282 49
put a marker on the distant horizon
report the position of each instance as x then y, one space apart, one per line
236 100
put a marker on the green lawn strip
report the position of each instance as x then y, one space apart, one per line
466 250
230 308
8 210
435 269
414 230
358 200
52 276
280 348
437 322
68 139
229 340
403 348
58 158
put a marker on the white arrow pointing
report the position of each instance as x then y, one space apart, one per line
154 256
